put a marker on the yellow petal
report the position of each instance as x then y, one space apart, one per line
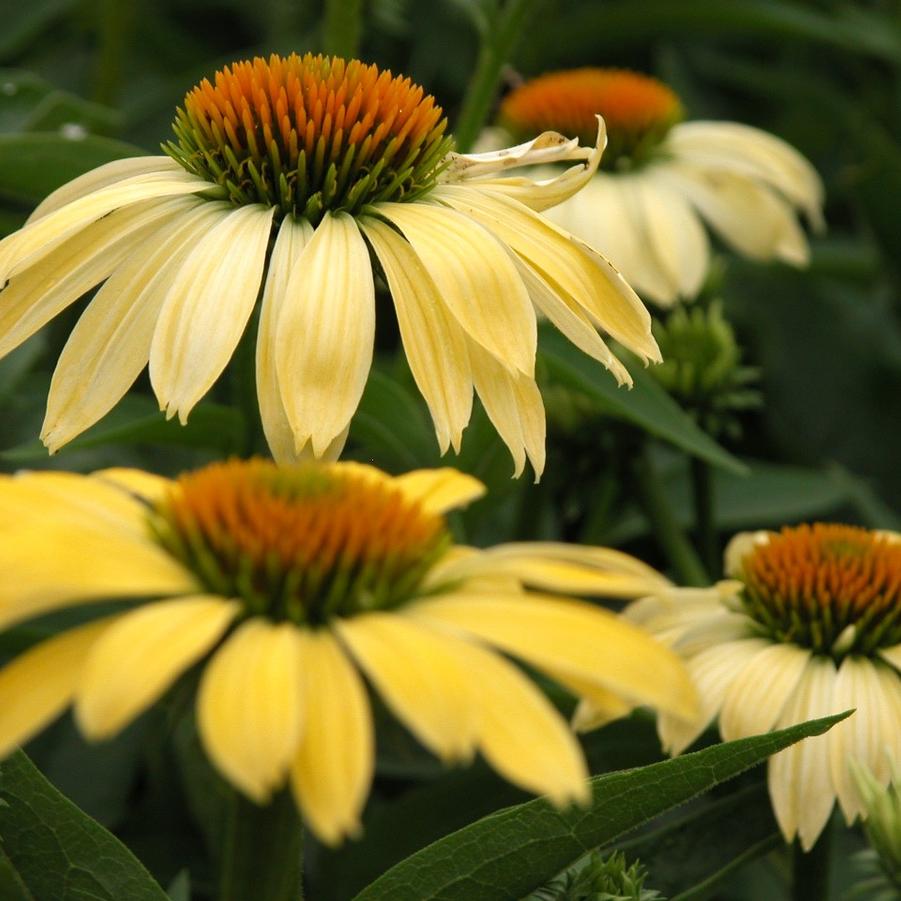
418 674
434 343
102 177
46 580
892 655
332 770
592 714
562 260
140 656
760 690
207 307
545 193
548 147
293 236
143 485
325 333
520 734
514 406
39 684
249 706
32 243
110 344
439 490
573 641
36 295
476 277
799 779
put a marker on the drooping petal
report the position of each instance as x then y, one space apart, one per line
293 236
33 297
110 343
892 655
39 684
598 711
760 690
748 215
434 343
548 147
799 779
476 277
419 676
712 671
207 307
572 642
141 655
325 333
32 243
563 261
332 769
102 177
754 153
860 685
120 567
514 406
249 706
439 490
145 486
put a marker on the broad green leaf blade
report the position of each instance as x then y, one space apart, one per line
33 165
513 852
56 851
646 405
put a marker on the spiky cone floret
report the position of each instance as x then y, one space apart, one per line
289 586
808 625
662 178
290 183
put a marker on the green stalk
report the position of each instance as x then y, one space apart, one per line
499 36
810 878
113 17
669 534
262 851
705 514
342 27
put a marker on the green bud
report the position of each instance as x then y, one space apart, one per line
598 878
882 824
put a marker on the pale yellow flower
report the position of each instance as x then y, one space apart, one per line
292 185
662 177
811 626
291 584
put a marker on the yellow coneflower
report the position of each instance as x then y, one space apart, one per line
288 585
290 181
810 627
661 176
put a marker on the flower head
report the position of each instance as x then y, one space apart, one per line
811 626
288 585
661 177
291 183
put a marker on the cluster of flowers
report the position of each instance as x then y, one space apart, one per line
302 181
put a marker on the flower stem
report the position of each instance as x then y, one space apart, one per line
669 534
244 387
810 879
499 34
262 851
342 27
705 514
112 21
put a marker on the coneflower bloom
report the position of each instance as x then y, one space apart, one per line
810 627
290 585
289 184
661 177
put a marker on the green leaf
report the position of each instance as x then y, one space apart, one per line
55 851
646 405
137 421
33 165
513 852
23 21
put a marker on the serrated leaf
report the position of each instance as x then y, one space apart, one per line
646 405
56 851
513 852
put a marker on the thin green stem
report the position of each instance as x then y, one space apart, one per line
261 855
705 514
810 877
342 27
499 36
113 17
669 534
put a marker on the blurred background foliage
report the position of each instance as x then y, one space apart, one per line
86 81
